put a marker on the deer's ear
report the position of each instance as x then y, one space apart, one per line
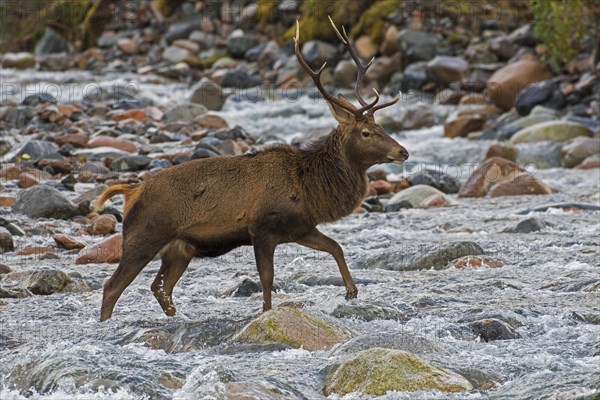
340 113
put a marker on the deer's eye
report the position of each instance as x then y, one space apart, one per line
365 133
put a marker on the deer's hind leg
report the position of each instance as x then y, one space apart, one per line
138 251
176 257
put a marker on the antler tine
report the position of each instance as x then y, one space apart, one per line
362 69
370 105
316 77
384 105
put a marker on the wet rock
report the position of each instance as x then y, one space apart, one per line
208 94
416 194
42 201
403 340
555 131
417 45
490 172
6 241
502 150
103 225
317 52
562 206
240 79
528 225
493 329
505 84
30 150
238 43
344 73
12 293
11 227
376 371
418 257
435 200
184 113
522 184
370 312
55 62
245 288
294 327
580 148
328 280
257 390
445 69
107 141
19 117
18 60
209 121
50 43
108 250
545 93
43 282
175 54
131 163
38 98
5 269
542 155
67 242
476 262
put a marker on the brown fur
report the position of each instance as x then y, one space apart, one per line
206 208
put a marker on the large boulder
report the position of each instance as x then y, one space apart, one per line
42 201
505 84
553 131
30 150
43 282
376 371
51 43
18 60
294 327
317 52
498 176
417 45
238 43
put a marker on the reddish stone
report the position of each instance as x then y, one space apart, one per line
381 186
435 200
476 262
490 172
137 115
103 225
31 250
75 139
67 242
7 201
590 164
27 180
127 45
209 121
10 172
107 251
522 184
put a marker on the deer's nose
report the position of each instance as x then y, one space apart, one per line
404 154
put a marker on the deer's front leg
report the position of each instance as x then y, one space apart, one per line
318 241
263 252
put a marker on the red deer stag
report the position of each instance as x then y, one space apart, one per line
279 194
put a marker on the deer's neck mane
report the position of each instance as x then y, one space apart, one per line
333 185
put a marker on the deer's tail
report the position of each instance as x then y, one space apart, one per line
131 193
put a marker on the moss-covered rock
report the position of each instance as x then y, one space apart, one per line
294 327
377 371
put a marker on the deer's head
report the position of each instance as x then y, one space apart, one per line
366 142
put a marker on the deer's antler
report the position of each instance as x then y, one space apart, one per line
362 69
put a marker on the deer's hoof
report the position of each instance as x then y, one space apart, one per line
351 294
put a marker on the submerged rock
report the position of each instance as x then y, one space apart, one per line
43 282
403 340
42 201
493 329
6 241
294 327
377 371
528 225
419 257
370 312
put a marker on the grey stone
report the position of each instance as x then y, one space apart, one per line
20 116
43 282
183 113
18 60
51 43
317 52
493 329
6 241
131 163
209 94
175 54
426 256
417 45
344 73
238 43
445 69
370 312
181 30
416 194
203 39
528 225
435 178
43 201
541 155
403 340
30 151
240 79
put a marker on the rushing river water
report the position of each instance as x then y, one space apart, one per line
53 347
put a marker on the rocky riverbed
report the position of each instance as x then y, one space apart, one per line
476 261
